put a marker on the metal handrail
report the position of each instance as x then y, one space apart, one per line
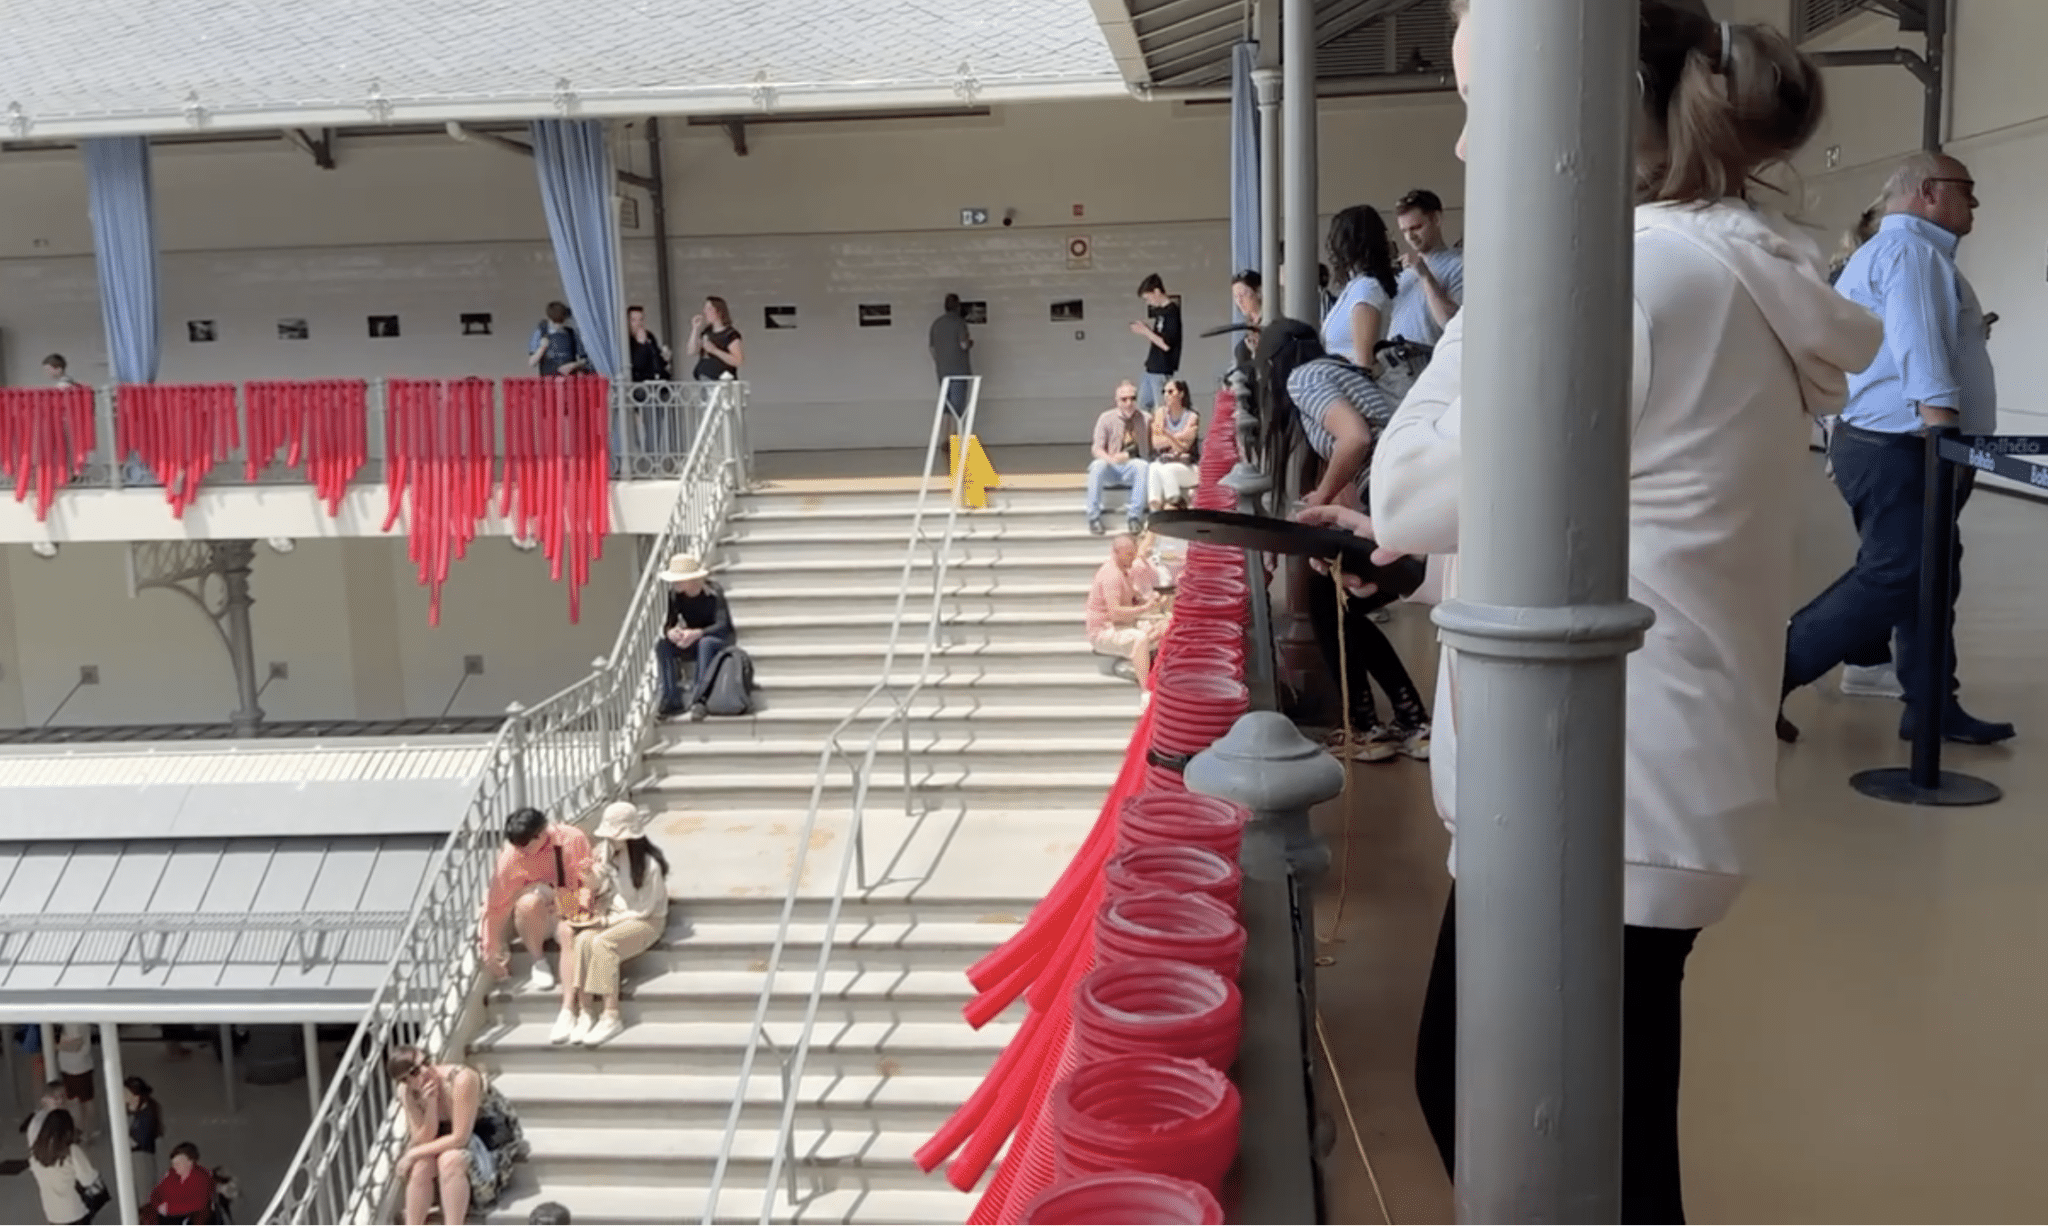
861 764
564 755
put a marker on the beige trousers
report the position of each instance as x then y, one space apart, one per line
592 963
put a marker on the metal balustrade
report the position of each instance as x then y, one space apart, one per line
566 756
653 425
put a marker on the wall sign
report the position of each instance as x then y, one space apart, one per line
1080 252
973 217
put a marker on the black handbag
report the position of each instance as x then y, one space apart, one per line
95 1196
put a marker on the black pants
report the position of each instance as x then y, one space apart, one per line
1653 974
1370 657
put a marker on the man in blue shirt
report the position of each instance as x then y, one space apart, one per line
1432 285
1934 371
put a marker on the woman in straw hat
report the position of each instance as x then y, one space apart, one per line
699 626
617 916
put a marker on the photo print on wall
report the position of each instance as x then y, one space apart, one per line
382 326
199 331
476 323
1067 311
293 330
778 318
974 312
874 314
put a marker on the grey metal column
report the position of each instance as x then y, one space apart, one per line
233 559
127 1197
1935 88
314 1090
49 1058
1298 116
1267 82
1543 623
227 1066
664 278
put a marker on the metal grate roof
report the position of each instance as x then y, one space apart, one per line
1186 43
200 930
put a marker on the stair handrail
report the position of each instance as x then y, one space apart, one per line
564 755
861 763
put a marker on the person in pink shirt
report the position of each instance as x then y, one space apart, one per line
540 872
1123 607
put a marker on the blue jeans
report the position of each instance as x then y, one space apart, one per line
669 660
1151 390
1883 479
1130 474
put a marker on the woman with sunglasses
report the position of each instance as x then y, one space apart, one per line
443 1152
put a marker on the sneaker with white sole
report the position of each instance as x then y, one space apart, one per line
1415 743
1875 681
543 979
565 1025
607 1029
580 1033
1378 745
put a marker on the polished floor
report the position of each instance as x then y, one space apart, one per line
1864 1034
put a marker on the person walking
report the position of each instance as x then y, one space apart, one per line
71 1188
145 1129
1739 344
1933 372
952 346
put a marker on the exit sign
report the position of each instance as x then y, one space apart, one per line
973 217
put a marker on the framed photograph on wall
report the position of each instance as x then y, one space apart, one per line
293 330
778 318
383 326
874 315
1068 311
199 331
476 323
974 312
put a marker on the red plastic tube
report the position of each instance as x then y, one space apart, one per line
1180 819
1164 1115
1191 927
1188 870
1157 1006
1126 1196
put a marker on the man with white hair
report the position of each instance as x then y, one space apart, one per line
1934 371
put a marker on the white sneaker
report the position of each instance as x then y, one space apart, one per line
607 1029
543 976
565 1025
1876 681
585 1022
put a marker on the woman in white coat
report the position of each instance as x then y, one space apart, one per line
617 917
1739 344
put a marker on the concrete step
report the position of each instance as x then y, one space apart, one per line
878 992
1074 546
887 920
770 500
931 748
753 524
1057 684
822 657
864 1048
681 1157
700 1100
872 630
982 593
886 944
947 787
937 711
740 1202
823 576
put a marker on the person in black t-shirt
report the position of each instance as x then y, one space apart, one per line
1161 330
649 355
952 345
715 342
698 626
661 434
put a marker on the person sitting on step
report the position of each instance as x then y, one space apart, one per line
1176 429
620 913
542 866
698 626
1121 436
1123 607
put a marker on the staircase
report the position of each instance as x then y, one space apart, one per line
1014 741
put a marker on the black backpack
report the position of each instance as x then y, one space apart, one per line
732 684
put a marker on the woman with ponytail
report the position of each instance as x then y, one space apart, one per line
1738 344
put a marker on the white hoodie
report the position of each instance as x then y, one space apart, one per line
1739 342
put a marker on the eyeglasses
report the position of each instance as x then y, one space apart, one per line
1969 186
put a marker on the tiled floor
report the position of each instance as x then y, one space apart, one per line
1863 1033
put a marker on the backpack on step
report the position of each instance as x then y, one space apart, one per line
731 691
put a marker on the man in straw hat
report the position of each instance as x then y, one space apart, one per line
699 626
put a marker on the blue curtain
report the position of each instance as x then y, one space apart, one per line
124 244
1244 160
576 188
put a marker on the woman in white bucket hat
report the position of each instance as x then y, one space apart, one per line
620 914
698 626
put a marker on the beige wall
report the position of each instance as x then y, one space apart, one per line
348 617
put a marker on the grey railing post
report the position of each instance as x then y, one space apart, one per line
1264 764
103 425
1298 123
1543 623
515 753
1266 80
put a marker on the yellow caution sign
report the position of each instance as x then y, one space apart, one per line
981 475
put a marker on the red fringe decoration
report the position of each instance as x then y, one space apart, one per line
323 425
46 436
439 443
557 487
180 433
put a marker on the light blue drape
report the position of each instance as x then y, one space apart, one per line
1244 160
124 246
576 188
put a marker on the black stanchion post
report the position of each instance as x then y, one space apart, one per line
1924 782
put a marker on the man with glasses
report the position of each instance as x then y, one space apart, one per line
1121 437
1934 371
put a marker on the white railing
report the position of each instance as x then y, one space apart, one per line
564 756
859 762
